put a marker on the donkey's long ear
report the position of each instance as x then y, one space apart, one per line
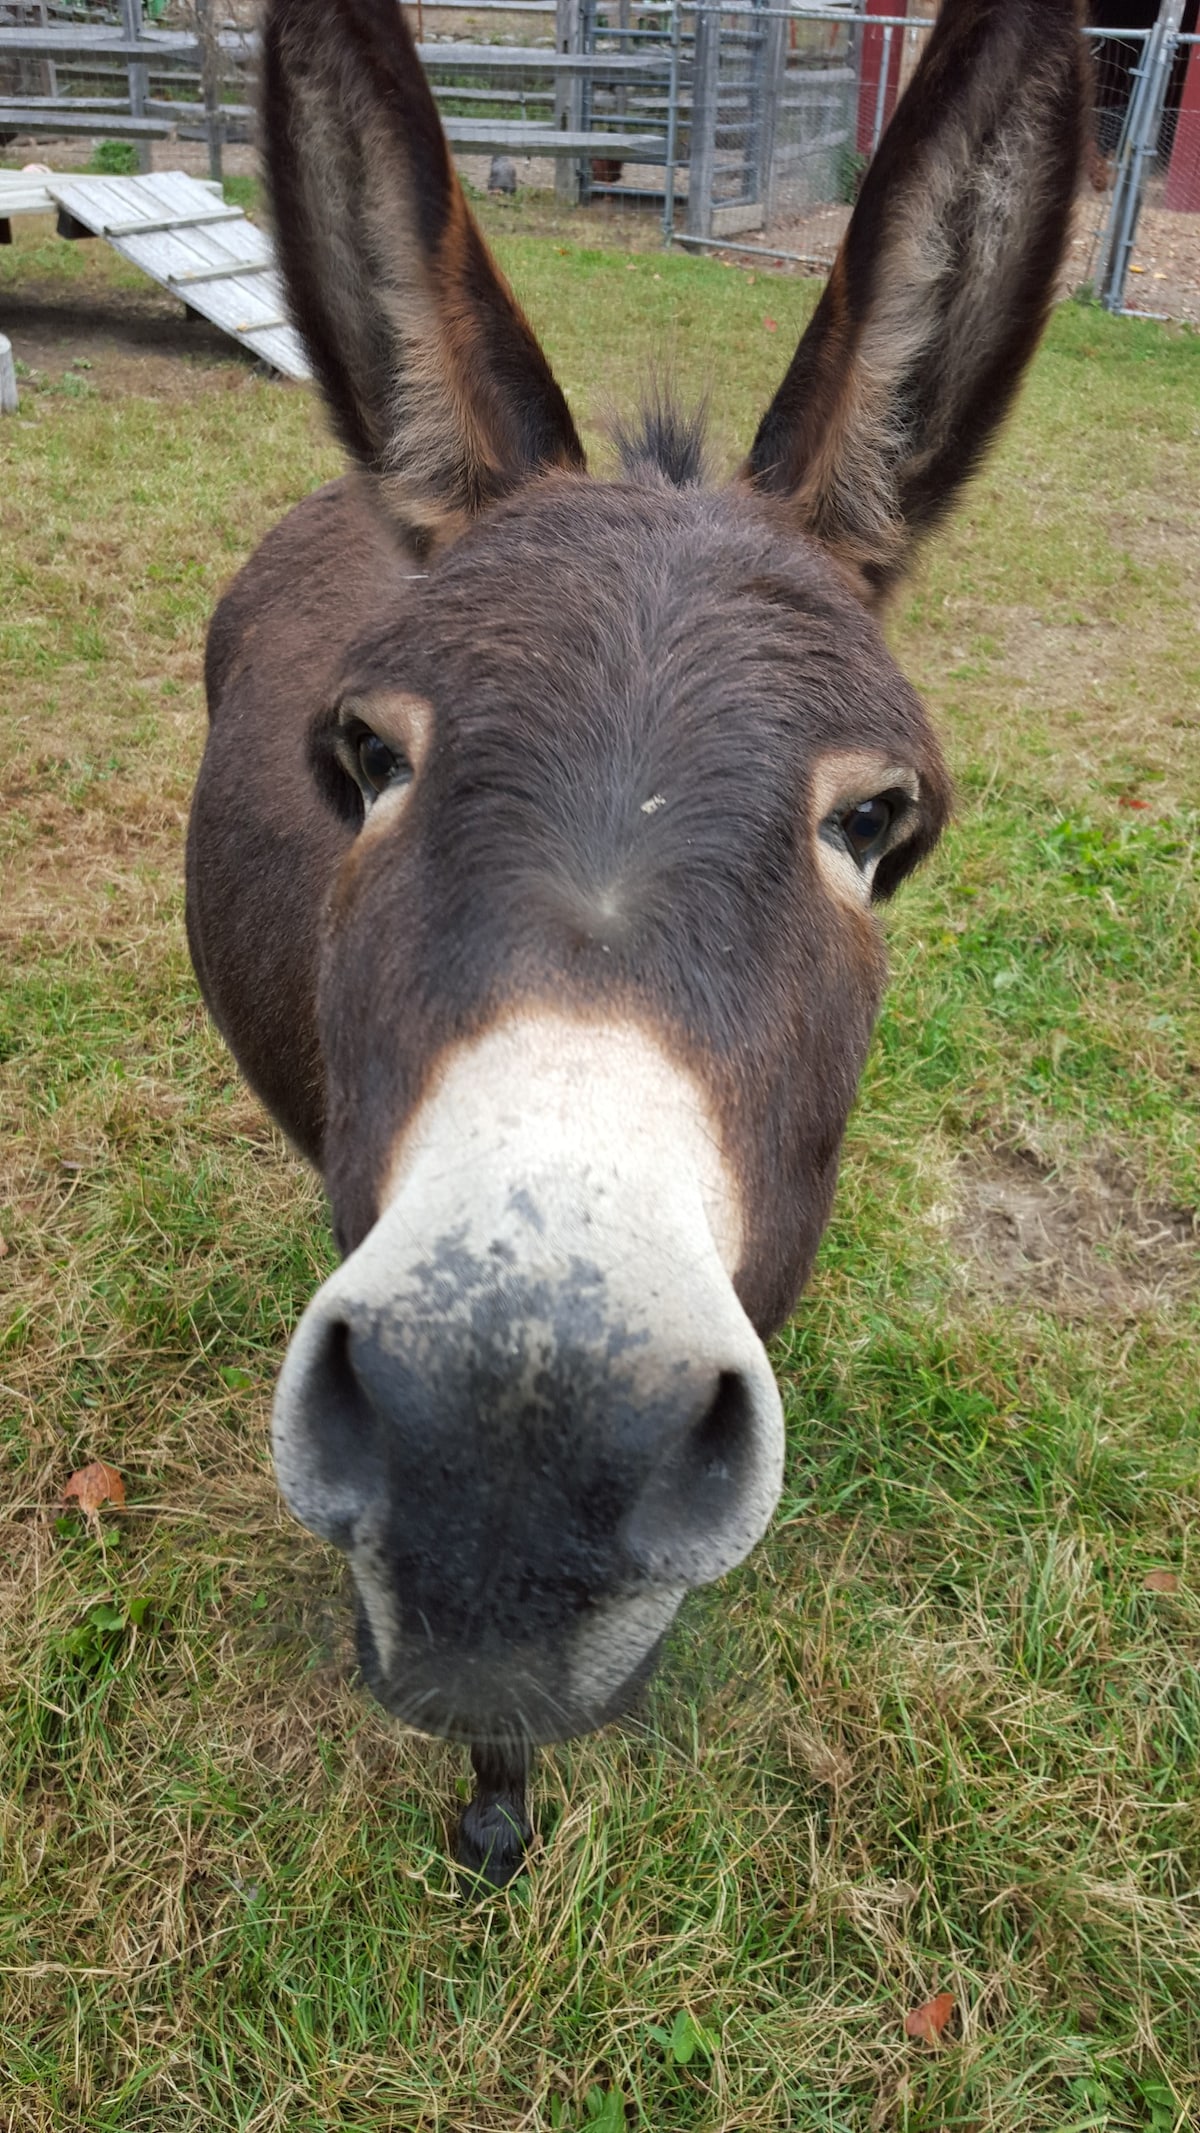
940 290
434 378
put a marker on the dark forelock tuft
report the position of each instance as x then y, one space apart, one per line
664 441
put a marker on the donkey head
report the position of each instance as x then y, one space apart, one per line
620 778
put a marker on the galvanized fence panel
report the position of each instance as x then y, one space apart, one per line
1145 251
789 105
776 153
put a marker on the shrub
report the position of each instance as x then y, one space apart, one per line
115 159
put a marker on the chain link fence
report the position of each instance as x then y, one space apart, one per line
782 109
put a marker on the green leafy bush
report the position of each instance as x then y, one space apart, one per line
115 159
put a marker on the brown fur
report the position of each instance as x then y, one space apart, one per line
530 807
433 377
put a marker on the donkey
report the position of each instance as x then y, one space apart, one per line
534 857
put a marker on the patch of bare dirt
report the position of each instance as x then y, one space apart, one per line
1164 272
1075 1245
813 236
122 342
77 152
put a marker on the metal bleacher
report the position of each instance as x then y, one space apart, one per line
564 78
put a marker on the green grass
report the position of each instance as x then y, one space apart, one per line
937 1734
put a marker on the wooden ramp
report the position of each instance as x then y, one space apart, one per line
205 252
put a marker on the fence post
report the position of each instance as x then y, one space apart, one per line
9 397
49 69
885 68
672 129
137 75
772 70
568 99
210 77
1138 143
703 157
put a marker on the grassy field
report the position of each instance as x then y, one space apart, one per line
942 1733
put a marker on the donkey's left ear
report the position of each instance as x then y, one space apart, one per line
940 290
434 379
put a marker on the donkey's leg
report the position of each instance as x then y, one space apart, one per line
495 1829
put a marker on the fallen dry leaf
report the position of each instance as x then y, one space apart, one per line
93 1485
928 2022
1160 1581
771 324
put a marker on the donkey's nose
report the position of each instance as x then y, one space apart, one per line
590 1466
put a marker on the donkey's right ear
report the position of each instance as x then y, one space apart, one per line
434 379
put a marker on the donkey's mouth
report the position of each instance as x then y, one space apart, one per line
508 1698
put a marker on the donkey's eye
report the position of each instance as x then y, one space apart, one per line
864 828
373 763
377 762
866 822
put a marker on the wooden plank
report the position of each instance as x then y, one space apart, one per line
149 228
516 137
213 259
163 48
159 47
281 348
44 104
536 59
57 124
221 273
23 194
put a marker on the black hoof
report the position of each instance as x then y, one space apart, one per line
492 1841
494 1831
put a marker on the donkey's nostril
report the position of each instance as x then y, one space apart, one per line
718 1451
701 1510
334 1428
333 1357
332 1382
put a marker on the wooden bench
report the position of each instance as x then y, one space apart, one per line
112 117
